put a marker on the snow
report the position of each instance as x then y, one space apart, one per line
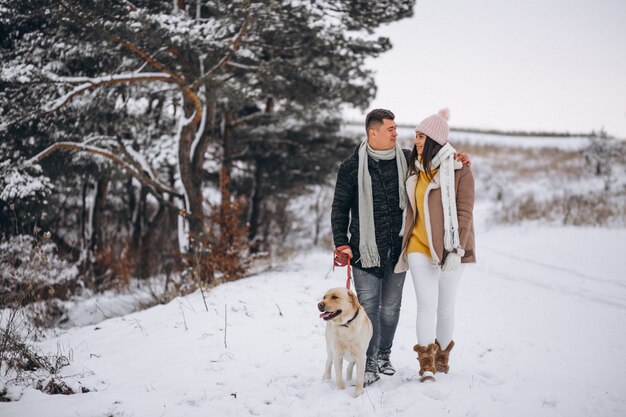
538 321
18 184
141 160
18 72
89 82
181 27
199 132
98 307
32 260
538 318
569 143
183 227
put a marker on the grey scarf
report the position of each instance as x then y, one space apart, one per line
367 244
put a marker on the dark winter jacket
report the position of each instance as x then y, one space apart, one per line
387 212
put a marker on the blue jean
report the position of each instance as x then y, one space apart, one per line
381 299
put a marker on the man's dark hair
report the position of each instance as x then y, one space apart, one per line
375 118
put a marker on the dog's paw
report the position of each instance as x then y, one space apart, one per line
326 376
358 391
341 385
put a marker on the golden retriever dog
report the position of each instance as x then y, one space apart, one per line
348 333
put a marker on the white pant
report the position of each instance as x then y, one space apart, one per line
436 297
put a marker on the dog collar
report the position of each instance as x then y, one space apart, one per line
348 322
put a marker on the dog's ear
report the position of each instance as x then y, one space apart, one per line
354 300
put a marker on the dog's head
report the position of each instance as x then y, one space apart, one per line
338 302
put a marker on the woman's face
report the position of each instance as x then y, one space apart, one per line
420 139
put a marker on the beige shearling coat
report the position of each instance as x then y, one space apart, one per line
464 188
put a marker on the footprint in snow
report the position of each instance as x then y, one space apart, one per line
489 379
434 393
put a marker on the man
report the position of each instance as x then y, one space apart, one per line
369 202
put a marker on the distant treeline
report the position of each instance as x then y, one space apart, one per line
593 134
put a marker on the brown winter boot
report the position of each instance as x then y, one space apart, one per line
426 356
441 361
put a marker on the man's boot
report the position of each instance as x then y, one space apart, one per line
371 371
384 364
426 356
441 361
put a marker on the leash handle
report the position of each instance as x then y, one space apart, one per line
342 259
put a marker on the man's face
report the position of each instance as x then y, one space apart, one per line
384 137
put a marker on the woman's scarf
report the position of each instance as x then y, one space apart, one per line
444 160
367 243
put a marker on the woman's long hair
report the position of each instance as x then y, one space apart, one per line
430 150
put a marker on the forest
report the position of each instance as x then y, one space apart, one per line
143 138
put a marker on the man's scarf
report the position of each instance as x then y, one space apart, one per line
367 244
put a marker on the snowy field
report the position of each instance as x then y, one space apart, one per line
539 333
539 322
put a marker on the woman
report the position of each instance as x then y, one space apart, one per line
439 239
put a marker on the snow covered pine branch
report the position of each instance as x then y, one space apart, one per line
88 83
143 175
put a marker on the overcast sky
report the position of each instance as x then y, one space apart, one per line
551 65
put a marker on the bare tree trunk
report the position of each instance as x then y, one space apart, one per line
227 135
318 216
256 199
153 244
96 239
255 207
320 212
137 231
192 183
83 217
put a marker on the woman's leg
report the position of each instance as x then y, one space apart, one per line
448 289
425 281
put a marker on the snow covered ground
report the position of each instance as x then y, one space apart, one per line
539 333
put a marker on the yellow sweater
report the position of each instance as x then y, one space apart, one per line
418 242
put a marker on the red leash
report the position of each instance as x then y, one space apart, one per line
342 259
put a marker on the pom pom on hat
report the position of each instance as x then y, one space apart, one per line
436 126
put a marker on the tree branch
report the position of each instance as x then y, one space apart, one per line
137 160
234 47
90 83
242 66
144 55
157 188
126 44
251 117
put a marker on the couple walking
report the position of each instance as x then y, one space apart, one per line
401 209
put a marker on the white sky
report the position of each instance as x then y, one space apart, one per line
551 65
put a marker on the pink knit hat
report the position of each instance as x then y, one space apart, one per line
436 126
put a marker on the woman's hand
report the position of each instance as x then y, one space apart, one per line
453 260
463 158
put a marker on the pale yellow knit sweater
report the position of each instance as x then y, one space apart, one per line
418 242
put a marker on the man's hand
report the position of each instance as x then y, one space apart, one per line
348 251
342 257
463 158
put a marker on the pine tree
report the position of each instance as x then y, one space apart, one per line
162 91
